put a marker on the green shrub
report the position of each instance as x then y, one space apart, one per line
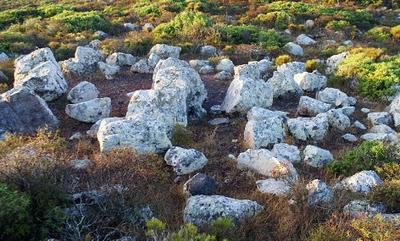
15 219
283 59
184 24
337 25
79 21
389 194
366 156
376 76
16 15
239 34
277 19
272 40
380 34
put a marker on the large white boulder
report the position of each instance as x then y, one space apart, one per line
202 210
185 161
168 106
263 162
361 182
250 70
311 107
282 81
394 109
82 92
337 119
335 97
40 72
225 65
90 111
264 132
245 93
121 59
165 51
141 134
317 157
84 62
173 74
304 128
311 81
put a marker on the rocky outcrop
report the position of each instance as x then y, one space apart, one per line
82 92
284 151
361 182
335 97
121 59
317 157
310 82
90 111
108 70
202 210
21 111
247 90
40 72
282 81
311 107
165 51
84 62
304 128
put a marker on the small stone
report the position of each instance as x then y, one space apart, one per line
82 92
294 49
273 186
215 110
359 125
287 152
81 164
199 184
225 65
303 39
318 193
365 110
218 121
361 182
350 137
185 161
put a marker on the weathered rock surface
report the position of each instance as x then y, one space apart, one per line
379 118
208 50
185 161
360 208
310 81
284 151
318 193
361 182
84 62
201 210
335 97
304 128
333 62
274 186
317 157
108 70
337 119
82 92
263 162
141 134
165 51
21 111
225 65
121 59
311 107
282 81
40 72
263 131
294 49
90 111
394 109
303 39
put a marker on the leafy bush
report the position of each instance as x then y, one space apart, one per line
283 59
380 34
15 219
395 31
376 76
183 24
337 25
277 19
389 194
272 40
366 156
16 15
239 34
79 21
313 64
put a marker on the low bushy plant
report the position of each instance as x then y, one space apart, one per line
15 218
395 31
389 171
337 25
388 194
277 19
366 156
380 34
80 21
283 59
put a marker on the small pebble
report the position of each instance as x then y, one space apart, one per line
350 137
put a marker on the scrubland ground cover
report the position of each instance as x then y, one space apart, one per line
36 175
